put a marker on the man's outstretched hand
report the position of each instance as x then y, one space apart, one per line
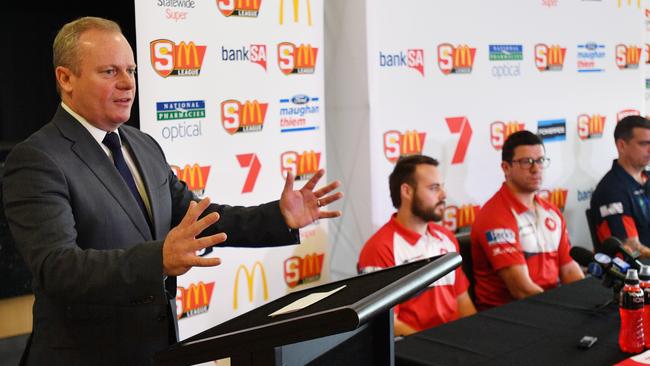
181 245
303 207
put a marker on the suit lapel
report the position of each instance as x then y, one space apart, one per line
94 157
146 173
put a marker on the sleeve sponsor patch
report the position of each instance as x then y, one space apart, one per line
500 236
614 208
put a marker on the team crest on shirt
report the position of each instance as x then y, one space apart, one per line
550 224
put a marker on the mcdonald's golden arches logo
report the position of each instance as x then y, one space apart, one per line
500 131
250 282
303 166
460 217
294 59
239 8
194 300
590 127
456 60
195 176
301 270
549 58
243 117
627 57
183 59
296 11
621 3
555 196
397 144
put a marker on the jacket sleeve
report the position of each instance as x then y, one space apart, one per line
39 212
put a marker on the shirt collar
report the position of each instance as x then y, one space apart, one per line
97 133
514 202
411 236
628 179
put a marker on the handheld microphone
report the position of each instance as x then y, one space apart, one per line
613 247
587 259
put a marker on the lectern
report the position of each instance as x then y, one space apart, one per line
353 326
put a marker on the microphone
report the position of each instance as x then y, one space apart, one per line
597 265
613 247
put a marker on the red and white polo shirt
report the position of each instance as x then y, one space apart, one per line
507 233
393 245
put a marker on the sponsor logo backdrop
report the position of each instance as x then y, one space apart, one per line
485 70
233 92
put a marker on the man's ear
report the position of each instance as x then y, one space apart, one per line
406 191
64 78
505 166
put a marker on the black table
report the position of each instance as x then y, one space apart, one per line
540 330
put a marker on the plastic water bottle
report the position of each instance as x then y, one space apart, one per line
644 276
630 338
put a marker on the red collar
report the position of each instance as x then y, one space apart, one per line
409 235
514 202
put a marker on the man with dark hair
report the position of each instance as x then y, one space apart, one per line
620 201
417 192
520 245
104 224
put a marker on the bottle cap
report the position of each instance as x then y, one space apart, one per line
644 274
631 277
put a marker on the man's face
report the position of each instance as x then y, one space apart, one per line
523 176
428 201
636 151
104 88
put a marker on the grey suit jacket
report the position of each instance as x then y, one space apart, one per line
96 264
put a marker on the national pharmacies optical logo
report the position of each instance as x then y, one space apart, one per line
183 115
413 58
297 113
239 8
506 59
171 59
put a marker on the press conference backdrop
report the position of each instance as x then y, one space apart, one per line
233 92
453 79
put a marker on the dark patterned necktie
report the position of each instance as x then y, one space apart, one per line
112 140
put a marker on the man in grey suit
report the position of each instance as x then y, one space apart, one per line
104 224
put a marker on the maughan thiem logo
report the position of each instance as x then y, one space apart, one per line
297 113
591 56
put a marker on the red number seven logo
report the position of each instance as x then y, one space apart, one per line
460 125
250 161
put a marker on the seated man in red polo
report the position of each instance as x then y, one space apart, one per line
417 192
520 245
